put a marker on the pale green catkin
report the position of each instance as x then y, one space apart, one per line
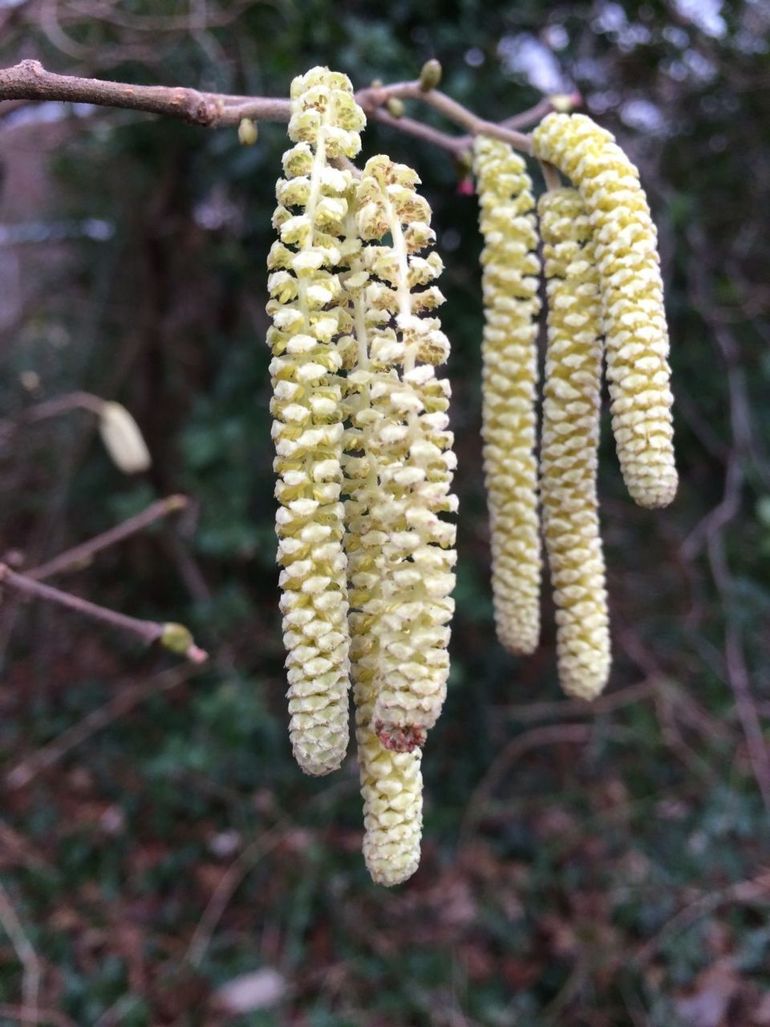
510 270
310 314
570 438
634 319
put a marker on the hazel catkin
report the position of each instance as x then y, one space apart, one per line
403 553
570 437
310 313
634 320
510 270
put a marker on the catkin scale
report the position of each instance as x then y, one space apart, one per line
309 311
510 270
570 436
633 315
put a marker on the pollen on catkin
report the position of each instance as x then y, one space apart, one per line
310 314
633 316
570 437
510 270
400 465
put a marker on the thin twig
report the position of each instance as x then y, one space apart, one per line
531 116
118 706
374 97
754 891
454 144
30 985
148 631
46 1017
81 555
551 175
552 734
529 712
227 886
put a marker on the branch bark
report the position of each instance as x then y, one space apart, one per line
29 80
172 636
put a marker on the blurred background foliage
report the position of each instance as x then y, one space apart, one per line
166 859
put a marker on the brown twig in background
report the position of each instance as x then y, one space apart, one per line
751 892
148 631
30 963
118 706
552 734
44 1017
81 555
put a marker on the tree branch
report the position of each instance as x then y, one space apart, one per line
29 80
81 555
172 636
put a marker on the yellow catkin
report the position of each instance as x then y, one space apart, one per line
509 380
391 787
570 437
634 319
400 465
310 315
391 782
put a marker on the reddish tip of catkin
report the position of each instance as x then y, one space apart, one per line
400 739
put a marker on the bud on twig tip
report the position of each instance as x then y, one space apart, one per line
430 75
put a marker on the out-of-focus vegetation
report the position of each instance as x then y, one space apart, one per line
600 868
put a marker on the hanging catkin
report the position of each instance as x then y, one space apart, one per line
570 436
403 585
310 310
633 315
509 380
391 782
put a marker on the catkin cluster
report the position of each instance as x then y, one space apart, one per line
509 282
364 462
604 294
364 457
633 317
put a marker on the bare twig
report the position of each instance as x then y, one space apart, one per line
148 631
552 734
755 891
30 985
376 97
82 555
529 712
118 706
46 1017
51 408
226 888
532 115
454 144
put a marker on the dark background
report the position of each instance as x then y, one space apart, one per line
599 867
